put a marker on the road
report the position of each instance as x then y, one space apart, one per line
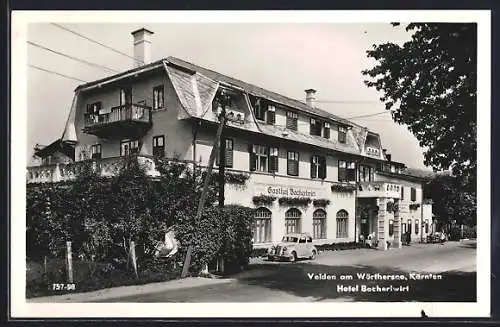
453 264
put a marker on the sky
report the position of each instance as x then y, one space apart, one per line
286 58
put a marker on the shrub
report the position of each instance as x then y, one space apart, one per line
259 252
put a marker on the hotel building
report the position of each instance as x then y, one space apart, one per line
308 169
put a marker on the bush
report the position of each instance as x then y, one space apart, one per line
259 252
339 246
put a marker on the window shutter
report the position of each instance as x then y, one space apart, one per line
322 167
313 168
252 157
273 164
312 127
271 117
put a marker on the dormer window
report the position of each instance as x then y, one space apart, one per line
326 130
271 115
316 127
260 110
291 120
342 134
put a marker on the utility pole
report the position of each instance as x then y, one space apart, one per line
222 153
206 184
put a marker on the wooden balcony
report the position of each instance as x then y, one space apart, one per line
378 190
106 167
129 120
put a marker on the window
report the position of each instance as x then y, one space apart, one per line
403 228
291 120
262 226
365 173
271 115
259 158
315 127
158 97
416 227
293 163
342 219
409 225
309 239
260 112
402 193
347 171
228 154
292 220
94 108
125 96
413 194
318 167
96 151
128 147
159 146
273 160
426 226
391 227
342 134
326 130
319 224
302 239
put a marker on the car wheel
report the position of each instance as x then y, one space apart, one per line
313 255
293 258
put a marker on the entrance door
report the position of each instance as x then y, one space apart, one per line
365 223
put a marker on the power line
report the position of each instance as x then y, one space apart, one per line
346 101
71 57
368 115
56 73
96 42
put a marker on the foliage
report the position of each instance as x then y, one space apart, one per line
237 246
429 83
263 199
259 252
451 201
236 178
392 207
321 202
414 206
339 246
300 202
344 188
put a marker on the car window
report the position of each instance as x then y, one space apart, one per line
302 239
309 239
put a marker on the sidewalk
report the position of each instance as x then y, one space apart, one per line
123 291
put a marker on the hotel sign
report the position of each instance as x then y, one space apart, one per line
289 191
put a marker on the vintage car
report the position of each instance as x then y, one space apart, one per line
292 247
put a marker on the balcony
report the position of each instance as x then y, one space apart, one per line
106 167
129 120
378 190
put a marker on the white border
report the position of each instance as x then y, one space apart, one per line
20 308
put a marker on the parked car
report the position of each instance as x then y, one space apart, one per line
292 247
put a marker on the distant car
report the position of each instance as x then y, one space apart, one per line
292 247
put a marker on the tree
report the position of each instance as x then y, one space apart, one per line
451 202
429 84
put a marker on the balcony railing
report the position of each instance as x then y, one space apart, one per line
105 167
378 190
125 118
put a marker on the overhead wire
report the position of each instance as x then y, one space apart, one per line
72 57
56 73
96 42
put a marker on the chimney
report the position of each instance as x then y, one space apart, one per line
142 47
310 97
